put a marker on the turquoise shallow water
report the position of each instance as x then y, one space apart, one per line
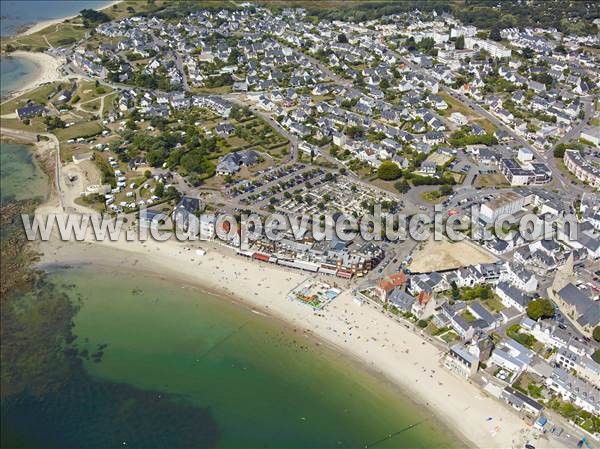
264 385
170 366
167 366
15 73
20 175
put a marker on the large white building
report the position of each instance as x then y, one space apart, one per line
521 278
505 204
591 135
581 168
467 31
493 48
461 361
575 390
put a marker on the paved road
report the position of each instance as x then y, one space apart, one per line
179 65
331 75
236 98
548 158
572 134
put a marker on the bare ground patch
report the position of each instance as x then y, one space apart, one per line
445 255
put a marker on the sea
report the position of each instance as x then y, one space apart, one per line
18 14
16 72
167 365
254 382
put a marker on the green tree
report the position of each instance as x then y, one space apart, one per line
596 333
402 186
460 43
159 190
388 171
495 33
527 53
445 190
53 123
540 308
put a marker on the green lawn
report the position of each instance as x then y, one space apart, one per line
68 32
494 304
62 34
457 106
87 90
92 106
450 337
83 129
515 333
38 95
36 125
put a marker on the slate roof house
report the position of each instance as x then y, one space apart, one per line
187 206
577 304
31 110
231 163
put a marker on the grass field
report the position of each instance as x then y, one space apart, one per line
58 35
83 129
494 304
459 178
36 125
72 30
491 180
109 103
92 106
87 91
432 197
457 106
39 95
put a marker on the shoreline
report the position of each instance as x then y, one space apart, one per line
47 71
39 26
321 343
359 333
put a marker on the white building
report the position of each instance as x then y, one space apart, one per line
493 48
207 227
461 361
505 204
512 356
575 390
591 135
459 119
511 296
581 168
525 155
521 278
583 365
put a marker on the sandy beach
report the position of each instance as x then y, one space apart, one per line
39 26
47 71
362 333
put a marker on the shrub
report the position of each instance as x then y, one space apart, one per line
540 308
388 171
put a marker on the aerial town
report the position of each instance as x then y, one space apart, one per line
250 109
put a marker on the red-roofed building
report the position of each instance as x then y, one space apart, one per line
424 306
389 283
